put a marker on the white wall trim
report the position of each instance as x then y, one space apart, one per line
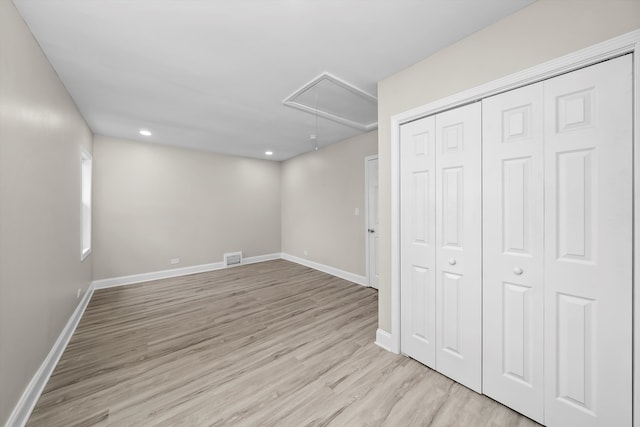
384 340
262 258
355 278
155 275
627 43
24 407
175 272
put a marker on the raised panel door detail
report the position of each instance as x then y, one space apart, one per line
453 138
452 206
575 331
575 110
516 205
374 194
516 124
451 313
576 205
517 345
420 212
422 325
421 144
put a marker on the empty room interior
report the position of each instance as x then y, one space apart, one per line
296 212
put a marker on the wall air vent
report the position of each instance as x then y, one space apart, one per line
232 258
334 99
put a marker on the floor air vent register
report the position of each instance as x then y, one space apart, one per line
232 258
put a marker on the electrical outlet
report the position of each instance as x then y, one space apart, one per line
79 293
174 261
306 252
356 212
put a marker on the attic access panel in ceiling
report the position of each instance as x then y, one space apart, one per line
334 99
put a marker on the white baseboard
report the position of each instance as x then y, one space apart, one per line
165 274
261 258
31 394
155 275
384 340
355 278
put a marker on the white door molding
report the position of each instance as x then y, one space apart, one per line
627 43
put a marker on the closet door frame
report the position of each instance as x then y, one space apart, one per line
627 43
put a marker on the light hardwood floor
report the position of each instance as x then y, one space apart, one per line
269 344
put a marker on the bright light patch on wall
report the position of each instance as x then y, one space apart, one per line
145 132
269 153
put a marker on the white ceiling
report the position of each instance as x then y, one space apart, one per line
212 74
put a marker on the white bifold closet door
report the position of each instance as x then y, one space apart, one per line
588 252
558 247
441 229
418 240
513 248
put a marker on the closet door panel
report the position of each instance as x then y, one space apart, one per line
513 200
458 245
418 306
588 251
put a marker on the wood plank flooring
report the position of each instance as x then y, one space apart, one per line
268 344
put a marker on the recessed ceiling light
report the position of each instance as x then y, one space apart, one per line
145 132
269 153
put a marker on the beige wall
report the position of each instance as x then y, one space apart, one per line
543 31
154 203
41 137
320 191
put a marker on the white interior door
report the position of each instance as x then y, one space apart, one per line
458 267
417 195
588 248
513 197
372 220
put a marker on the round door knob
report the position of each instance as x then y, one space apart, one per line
518 271
452 261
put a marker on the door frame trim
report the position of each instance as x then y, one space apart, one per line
624 44
366 215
